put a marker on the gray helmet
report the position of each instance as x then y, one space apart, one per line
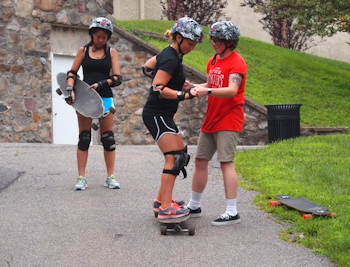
225 30
102 23
188 28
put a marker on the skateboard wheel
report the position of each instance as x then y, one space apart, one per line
307 216
156 214
191 231
112 110
163 230
58 91
274 203
94 126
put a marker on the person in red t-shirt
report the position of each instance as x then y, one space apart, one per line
224 119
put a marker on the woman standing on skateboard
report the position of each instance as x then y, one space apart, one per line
165 93
223 120
101 70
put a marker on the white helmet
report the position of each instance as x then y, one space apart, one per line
188 28
101 23
225 30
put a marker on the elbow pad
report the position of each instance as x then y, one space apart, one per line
116 80
156 90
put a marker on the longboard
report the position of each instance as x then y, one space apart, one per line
303 205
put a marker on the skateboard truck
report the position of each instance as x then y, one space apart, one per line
176 228
96 126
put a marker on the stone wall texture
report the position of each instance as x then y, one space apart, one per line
26 86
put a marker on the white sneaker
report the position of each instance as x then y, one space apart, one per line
81 183
112 183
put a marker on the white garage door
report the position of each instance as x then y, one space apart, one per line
64 119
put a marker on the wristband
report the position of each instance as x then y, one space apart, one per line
190 95
103 84
181 95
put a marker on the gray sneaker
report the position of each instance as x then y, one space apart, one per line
81 183
112 183
226 219
173 213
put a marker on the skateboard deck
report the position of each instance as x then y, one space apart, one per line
87 101
303 205
4 108
176 226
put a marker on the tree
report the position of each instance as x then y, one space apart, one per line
205 12
294 23
342 8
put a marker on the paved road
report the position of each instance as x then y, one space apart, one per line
44 222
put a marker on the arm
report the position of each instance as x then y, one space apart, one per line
188 85
151 63
72 74
159 84
231 90
149 66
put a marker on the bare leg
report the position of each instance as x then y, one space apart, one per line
230 179
200 175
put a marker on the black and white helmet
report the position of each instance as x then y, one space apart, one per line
102 23
225 30
188 28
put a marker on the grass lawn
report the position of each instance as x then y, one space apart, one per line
316 168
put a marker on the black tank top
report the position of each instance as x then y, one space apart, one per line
95 70
168 61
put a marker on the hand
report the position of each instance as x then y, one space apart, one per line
186 86
94 86
71 95
193 92
201 91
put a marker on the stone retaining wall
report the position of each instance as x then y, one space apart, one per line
25 76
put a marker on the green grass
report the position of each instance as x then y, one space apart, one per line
277 75
316 168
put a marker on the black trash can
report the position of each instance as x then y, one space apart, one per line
283 121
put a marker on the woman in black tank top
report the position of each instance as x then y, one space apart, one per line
101 71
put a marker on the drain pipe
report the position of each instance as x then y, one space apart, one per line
142 9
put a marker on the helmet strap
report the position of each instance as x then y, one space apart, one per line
179 46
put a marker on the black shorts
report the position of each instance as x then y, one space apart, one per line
159 125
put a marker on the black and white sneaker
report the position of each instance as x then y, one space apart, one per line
196 213
226 219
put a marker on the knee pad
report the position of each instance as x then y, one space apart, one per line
108 141
84 140
181 161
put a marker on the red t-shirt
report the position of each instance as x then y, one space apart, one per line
225 114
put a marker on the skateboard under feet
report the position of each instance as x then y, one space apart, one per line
176 226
